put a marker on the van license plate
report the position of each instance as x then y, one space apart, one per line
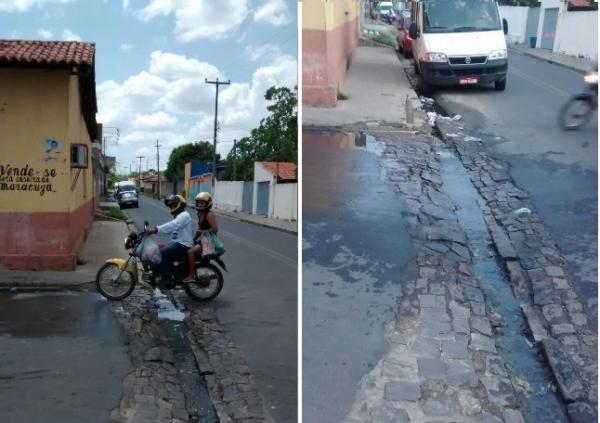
468 80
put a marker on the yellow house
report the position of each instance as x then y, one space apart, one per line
47 122
329 38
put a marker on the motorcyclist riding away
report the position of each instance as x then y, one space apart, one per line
180 228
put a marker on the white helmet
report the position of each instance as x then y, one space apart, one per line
207 198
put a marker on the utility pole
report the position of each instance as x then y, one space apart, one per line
140 172
234 158
214 168
158 165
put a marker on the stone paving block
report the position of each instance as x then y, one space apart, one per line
495 366
437 289
512 416
473 294
431 368
426 347
560 283
394 369
389 415
481 325
432 301
579 319
534 323
402 391
482 343
574 306
454 350
461 325
469 404
499 390
434 408
563 369
491 418
460 373
552 312
435 328
554 271
582 412
435 314
562 329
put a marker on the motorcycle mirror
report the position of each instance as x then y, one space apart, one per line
146 224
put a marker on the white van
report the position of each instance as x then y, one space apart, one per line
459 42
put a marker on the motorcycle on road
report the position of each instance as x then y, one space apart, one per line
117 278
578 110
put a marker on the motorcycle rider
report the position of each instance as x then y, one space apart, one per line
181 232
207 221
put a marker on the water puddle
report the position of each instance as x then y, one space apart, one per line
171 319
536 394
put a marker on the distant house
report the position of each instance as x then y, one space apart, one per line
276 190
48 122
150 184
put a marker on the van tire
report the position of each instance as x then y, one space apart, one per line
417 71
500 85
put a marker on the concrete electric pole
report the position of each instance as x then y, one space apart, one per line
158 166
214 168
140 172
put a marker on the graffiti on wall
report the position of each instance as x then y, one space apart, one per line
27 178
52 149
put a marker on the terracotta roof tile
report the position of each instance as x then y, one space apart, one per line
579 3
283 170
46 53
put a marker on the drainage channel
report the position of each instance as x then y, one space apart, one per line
171 320
536 394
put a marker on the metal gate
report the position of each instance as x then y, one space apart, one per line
533 19
247 196
262 199
549 28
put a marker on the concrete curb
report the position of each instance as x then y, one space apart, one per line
549 60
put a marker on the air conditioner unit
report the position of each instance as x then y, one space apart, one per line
79 155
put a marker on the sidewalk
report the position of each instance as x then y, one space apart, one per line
570 62
268 222
104 240
377 88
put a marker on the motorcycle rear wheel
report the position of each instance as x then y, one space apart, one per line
576 112
205 274
109 287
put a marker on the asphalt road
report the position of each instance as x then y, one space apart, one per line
559 169
356 253
62 358
258 302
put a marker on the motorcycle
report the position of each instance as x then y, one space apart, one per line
117 278
578 110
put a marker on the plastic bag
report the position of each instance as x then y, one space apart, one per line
217 243
206 242
150 251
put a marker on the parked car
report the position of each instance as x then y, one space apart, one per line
128 198
459 43
124 186
403 40
385 11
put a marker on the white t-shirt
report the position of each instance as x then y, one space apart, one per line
180 229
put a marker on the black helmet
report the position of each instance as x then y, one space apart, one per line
175 203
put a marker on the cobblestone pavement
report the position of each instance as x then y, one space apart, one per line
442 363
154 391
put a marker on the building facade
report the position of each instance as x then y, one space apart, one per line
47 124
329 38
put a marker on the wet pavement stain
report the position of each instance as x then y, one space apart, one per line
356 254
538 400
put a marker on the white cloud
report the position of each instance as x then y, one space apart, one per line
274 12
198 19
44 34
126 47
268 51
25 5
171 102
125 4
69 35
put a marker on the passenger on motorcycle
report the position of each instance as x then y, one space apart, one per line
180 229
207 221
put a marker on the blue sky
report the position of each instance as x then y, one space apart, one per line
152 57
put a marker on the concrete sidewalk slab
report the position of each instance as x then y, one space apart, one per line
377 88
569 62
104 241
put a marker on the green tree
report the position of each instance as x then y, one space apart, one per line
111 179
275 139
201 151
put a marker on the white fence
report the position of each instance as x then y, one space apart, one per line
577 34
516 16
228 195
285 201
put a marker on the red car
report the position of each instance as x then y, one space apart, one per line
403 41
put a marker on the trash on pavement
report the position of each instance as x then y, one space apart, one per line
457 117
469 138
524 211
432 116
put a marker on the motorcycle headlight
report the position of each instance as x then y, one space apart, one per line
126 243
591 78
436 57
498 54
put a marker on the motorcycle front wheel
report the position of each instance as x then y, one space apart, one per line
110 285
208 283
576 112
